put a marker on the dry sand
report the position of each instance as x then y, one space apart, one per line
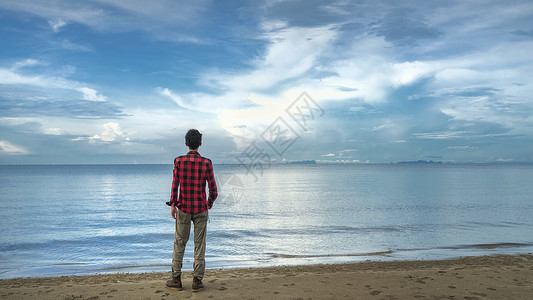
488 277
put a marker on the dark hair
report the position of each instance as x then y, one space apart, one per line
193 139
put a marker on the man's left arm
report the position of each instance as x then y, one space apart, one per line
213 192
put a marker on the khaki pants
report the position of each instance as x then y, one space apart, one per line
183 229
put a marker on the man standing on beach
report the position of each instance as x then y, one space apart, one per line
191 172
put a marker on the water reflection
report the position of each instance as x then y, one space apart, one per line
105 217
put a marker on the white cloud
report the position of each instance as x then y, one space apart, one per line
29 62
9 77
53 131
111 133
328 155
66 44
91 94
176 98
406 73
368 73
384 126
8 148
56 24
273 25
348 150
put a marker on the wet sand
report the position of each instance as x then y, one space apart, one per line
486 277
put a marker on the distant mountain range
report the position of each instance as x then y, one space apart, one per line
420 162
303 162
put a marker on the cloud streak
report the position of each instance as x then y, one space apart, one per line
164 19
13 77
77 109
10 149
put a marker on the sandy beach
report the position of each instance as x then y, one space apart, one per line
487 277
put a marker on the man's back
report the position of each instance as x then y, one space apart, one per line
191 172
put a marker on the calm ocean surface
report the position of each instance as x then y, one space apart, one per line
62 220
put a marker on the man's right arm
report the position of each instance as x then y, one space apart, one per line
173 211
174 191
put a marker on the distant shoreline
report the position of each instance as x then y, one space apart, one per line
311 162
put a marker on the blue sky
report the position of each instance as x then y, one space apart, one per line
121 81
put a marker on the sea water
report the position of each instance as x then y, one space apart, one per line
87 219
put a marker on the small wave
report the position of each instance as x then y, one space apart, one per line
499 245
131 267
147 238
390 253
379 253
471 246
234 234
112 268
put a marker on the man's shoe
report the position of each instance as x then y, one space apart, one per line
197 285
175 284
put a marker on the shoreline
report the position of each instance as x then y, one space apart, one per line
477 277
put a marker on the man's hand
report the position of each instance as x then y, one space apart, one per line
173 211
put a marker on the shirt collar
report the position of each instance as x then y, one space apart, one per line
193 153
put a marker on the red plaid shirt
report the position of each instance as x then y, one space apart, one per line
191 172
